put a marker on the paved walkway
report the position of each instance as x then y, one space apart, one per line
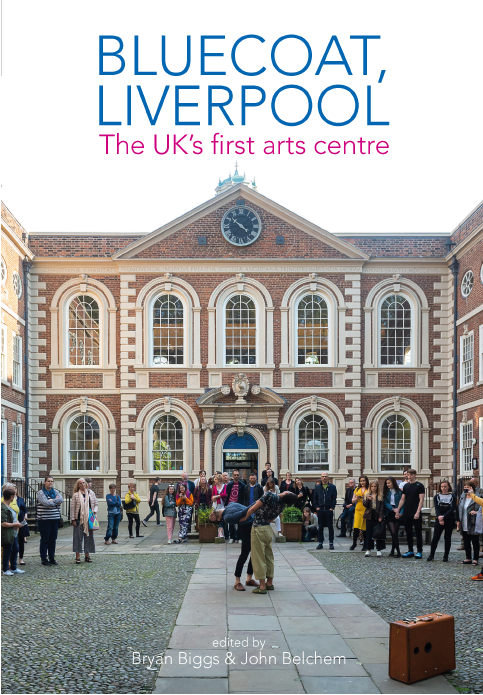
309 611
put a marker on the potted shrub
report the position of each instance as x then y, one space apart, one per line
292 523
206 529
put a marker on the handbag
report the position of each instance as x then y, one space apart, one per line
128 505
93 523
379 531
367 513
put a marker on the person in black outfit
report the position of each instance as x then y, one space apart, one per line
349 508
266 474
287 484
253 491
304 495
324 500
445 507
235 492
153 503
412 500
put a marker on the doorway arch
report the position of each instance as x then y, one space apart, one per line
253 438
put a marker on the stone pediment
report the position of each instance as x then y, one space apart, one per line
223 396
185 231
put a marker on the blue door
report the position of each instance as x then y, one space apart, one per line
242 453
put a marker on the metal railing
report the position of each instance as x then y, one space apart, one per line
29 493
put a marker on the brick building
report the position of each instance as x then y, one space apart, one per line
241 333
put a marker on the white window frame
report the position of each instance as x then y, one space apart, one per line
480 351
16 275
16 449
102 328
414 330
186 332
4 437
395 471
102 438
257 330
465 282
4 354
330 314
331 444
4 267
466 447
150 429
17 345
467 359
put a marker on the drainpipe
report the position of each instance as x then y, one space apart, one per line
454 267
26 265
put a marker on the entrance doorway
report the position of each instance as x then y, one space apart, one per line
242 453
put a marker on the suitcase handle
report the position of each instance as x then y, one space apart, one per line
426 620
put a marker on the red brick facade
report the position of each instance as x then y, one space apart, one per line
354 393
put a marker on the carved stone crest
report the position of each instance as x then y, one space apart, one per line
240 386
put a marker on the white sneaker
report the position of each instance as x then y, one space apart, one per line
220 533
169 542
17 571
231 540
368 554
8 573
379 554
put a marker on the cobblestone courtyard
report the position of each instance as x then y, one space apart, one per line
396 588
73 628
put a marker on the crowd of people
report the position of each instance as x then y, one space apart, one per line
370 511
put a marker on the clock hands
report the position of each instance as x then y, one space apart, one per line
240 225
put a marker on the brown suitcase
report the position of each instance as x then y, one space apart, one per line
421 647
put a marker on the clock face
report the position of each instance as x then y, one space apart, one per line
241 226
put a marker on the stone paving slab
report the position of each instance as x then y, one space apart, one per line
310 612
337 685
187 686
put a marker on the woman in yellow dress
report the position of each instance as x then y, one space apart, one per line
359 521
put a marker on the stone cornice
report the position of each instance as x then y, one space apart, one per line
101 266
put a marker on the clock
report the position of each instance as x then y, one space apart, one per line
241 225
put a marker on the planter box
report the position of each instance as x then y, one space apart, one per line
293 531
207 533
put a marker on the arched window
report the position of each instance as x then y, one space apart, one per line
313 443
395 331
395 446
84 444
240 330
167 444
312 330
168 330
84 331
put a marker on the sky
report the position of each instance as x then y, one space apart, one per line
56 175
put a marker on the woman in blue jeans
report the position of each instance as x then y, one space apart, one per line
113 515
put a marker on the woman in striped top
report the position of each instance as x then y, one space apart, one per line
48 517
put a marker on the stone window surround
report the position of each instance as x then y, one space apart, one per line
216 324
337 428
470 384
419 330
419 434
143 329
464 423
60 438
143 436
336 314
59 314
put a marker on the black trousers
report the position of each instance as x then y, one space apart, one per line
447 527
131 518
48 529
418 527
380 544
326 518
244 532
471 540
154 508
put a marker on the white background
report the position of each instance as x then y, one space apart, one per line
55 176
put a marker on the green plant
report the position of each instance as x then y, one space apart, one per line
203 516
291 515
